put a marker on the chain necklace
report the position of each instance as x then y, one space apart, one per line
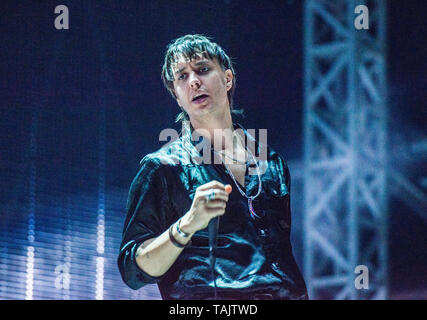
235 161
250 198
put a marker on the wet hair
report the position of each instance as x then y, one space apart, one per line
190 47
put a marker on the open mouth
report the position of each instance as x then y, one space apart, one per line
199 98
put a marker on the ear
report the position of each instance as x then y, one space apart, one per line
228 79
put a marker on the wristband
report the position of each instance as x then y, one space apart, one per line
174 242
180 232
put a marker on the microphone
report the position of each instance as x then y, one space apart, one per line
213 232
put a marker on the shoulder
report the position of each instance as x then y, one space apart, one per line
171 154
161 162
279 166
279 160
149 168
273 157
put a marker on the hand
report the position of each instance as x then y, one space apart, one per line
203 210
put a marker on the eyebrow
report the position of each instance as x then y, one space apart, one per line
198 63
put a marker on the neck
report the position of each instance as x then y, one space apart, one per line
217 129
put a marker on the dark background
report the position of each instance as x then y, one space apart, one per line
111 58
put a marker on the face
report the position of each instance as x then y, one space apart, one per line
201 87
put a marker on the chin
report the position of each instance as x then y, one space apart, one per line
203 107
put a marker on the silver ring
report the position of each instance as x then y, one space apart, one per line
210 195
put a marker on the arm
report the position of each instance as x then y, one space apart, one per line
155 256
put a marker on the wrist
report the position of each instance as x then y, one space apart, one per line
176 239
185 226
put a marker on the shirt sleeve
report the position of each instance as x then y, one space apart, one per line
147 217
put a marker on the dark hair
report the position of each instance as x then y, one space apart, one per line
190 46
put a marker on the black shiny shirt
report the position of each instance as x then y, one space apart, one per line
254 255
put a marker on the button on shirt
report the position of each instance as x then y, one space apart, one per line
254 255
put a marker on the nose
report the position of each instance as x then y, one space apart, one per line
194 81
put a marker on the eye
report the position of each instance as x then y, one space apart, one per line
203 69
182 76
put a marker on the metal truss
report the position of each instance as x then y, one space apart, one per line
345 188
406 184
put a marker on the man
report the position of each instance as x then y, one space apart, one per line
174 196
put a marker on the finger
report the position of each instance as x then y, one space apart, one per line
228 188
215 211
211 203
216 204
218 194
210 185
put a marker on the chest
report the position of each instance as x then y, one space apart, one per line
239 172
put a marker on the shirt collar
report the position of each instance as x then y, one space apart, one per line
199 144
